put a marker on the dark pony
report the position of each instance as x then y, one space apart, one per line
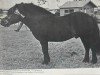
47 27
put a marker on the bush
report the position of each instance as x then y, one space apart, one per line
1 11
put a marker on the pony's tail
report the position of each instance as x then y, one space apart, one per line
97 37
97 47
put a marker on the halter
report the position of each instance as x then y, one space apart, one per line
18 13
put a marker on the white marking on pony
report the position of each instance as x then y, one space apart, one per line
17 12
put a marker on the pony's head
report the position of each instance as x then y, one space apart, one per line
19 11
10 19
13 16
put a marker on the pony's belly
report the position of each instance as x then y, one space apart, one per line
60 38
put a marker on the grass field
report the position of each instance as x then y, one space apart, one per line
20 50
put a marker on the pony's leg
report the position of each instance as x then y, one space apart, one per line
87 47
94 48
44 45
94 44
94 57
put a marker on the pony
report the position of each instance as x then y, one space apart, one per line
47 27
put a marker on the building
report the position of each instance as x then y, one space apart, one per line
86 6
52 10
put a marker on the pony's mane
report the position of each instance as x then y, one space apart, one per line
31 9
11 10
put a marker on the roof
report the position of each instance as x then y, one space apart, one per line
72 4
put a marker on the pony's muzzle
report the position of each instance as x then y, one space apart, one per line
4 23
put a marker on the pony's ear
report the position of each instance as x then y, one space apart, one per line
22 3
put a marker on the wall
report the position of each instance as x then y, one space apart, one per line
86 9
62 12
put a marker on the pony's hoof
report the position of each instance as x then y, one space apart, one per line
45 63
94 61
86 60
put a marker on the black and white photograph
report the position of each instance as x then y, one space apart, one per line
49 35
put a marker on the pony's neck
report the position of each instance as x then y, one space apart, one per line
37 13
35 10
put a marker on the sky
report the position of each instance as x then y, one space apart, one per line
52 4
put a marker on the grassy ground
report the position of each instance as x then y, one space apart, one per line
20 50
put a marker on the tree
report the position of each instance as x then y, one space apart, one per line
41 2
58 1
